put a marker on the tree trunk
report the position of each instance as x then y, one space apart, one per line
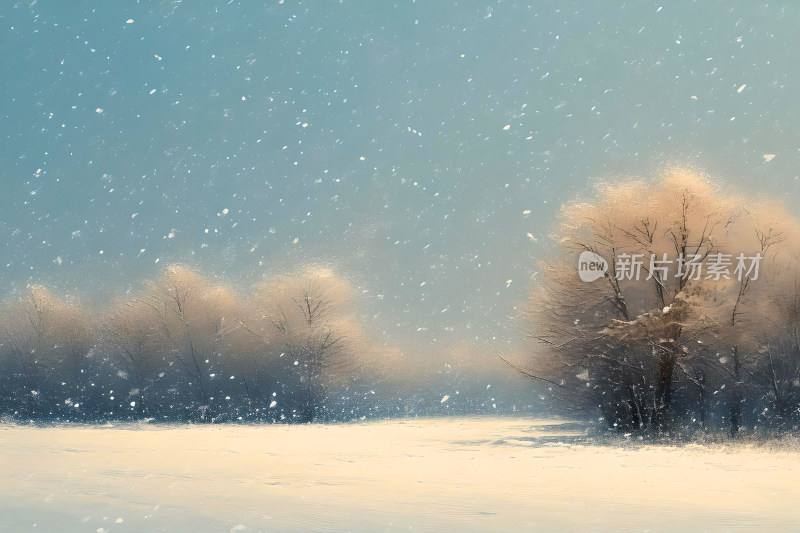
666 369
308 408
702 400
736 395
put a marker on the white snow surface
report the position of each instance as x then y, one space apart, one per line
434 474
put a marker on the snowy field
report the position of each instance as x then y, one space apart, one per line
457 474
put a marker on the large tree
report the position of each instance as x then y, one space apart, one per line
680 287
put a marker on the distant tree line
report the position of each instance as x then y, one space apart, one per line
187 349
681 333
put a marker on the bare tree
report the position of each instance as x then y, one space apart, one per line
49 338
627 338
745 310
762 333
132 333
193 317
309 316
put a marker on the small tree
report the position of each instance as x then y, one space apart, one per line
132 333
308 316
192 318
49 339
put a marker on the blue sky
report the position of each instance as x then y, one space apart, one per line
411 145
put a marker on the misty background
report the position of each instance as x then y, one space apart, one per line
421 149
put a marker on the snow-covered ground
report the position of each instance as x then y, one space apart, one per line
455 474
